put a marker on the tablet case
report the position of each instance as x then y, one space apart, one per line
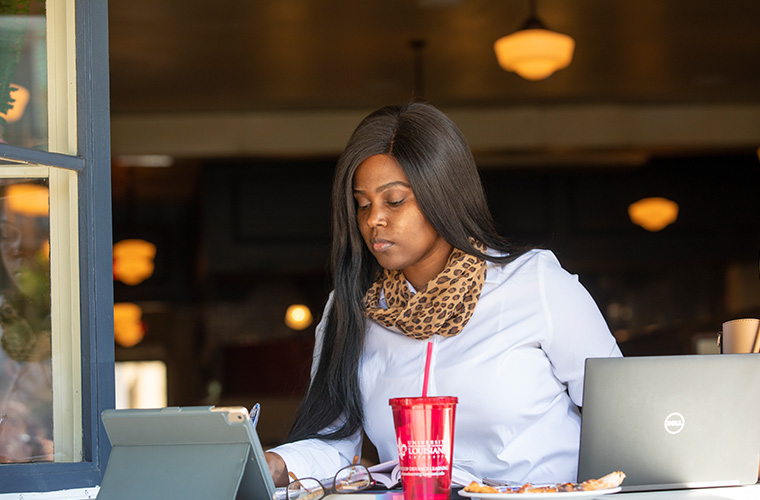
192 453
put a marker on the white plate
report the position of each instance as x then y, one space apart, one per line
569 495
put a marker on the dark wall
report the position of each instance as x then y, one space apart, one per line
657 290
245 238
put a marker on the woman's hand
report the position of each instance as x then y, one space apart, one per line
277 469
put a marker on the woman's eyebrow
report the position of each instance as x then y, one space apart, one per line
385 186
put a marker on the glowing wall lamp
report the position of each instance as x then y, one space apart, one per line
653 214
534 52
298 317
133 261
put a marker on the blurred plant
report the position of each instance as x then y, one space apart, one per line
12 34
25 314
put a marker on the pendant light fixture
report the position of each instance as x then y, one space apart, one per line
653 214
128 326
133 261
534 52
133 258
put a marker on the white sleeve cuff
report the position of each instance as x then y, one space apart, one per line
318 458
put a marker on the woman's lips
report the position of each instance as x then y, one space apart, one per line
379 245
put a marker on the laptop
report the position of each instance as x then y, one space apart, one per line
192 453
672 422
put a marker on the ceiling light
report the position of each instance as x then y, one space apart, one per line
128 327
653 214
133 261
534 52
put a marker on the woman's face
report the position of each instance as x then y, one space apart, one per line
392 225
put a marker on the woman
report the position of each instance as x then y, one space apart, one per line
415 257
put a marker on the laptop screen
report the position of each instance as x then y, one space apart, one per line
672 421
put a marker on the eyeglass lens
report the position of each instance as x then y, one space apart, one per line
352 478
305 489
347 480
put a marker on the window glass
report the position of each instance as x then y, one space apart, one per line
140 384
26 382
23 74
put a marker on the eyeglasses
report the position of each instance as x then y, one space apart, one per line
349 479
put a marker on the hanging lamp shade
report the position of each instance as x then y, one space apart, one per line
128 327
653 214
534 52
133 261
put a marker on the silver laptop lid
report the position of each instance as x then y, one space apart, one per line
672 421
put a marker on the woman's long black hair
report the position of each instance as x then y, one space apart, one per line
443 176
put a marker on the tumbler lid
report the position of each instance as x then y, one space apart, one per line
426 401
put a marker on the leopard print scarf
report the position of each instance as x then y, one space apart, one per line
444 306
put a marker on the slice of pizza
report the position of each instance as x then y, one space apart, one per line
611 480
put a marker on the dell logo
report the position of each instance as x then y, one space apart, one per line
674 423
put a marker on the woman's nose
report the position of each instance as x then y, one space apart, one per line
376 216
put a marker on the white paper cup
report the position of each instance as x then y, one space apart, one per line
740 336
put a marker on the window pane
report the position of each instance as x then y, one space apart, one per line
26 385
23 74
140 384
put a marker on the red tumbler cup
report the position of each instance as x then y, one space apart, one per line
425 441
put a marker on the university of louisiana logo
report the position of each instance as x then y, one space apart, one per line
401 447
674 423
426 447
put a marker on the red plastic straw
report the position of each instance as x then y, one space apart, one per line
427 368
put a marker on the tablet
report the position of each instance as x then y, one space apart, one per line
191 453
